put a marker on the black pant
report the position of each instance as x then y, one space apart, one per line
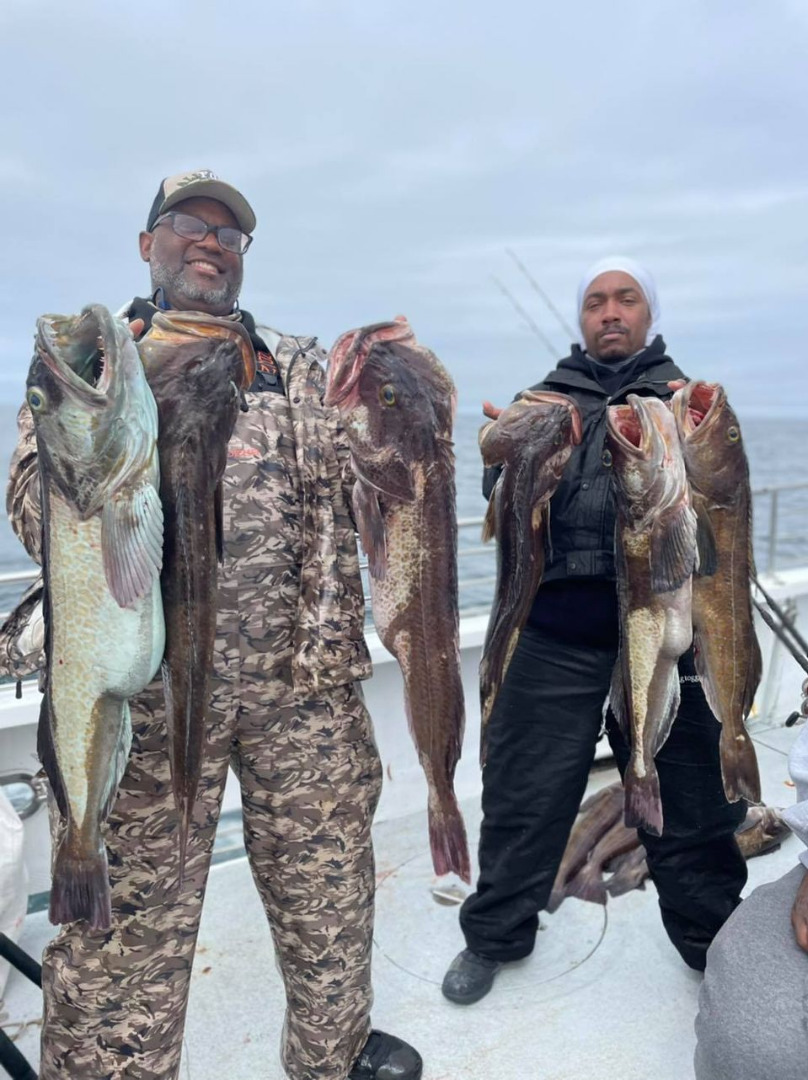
540 746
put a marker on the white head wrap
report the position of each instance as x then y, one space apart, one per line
633 269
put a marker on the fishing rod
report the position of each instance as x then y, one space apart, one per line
784 618
778 629
537 288
530 321
790 638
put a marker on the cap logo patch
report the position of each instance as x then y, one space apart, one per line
176 183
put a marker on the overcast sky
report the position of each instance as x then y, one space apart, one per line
394 150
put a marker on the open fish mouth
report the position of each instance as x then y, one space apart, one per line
631 427
695 406
81 352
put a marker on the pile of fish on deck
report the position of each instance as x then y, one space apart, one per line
132 445
684 563
605 858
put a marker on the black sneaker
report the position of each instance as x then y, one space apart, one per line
469 977
384 1057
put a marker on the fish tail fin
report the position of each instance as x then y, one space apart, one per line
490 520
588 885
557 898
447 838
739 766
80 887
624 881
642 800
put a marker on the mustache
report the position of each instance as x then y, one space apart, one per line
615 328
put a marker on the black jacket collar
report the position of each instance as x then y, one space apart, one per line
652 365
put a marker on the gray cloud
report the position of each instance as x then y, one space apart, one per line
394 150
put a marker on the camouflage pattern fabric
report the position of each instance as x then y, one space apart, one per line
23 499
288 715
287 455
329 645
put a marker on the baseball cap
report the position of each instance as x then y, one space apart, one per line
201 184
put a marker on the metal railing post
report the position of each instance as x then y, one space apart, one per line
772 558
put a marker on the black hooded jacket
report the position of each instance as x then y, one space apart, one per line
577 598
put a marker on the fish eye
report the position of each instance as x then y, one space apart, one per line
733 434
387 394
36 399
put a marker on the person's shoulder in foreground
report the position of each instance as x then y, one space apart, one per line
753 1005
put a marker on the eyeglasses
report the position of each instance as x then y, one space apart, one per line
193 228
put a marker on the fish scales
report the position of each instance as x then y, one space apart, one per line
532 440
96 427
727 655
423 636
656 555
396 403
197 365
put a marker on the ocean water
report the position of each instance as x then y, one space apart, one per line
775 446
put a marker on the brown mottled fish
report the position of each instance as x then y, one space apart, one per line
588 883
727 654
656 556
396 403
597 815
532 440
630 874
102 524
196 366
762 830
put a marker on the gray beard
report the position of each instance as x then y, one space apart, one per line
174 282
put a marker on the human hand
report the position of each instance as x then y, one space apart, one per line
677 384
136 326
491 411
799 914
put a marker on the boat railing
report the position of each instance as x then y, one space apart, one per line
780 541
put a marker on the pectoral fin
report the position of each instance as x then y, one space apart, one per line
132 543
705 539
673 549
370 524
391 477
490 519
617 699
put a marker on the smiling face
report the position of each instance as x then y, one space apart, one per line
196 275
615 317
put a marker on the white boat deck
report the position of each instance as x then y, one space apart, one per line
603 996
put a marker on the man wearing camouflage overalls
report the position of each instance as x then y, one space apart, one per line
286 712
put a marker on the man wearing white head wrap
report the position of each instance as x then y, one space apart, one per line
547 716
622 264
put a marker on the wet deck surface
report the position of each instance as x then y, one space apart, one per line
603 996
